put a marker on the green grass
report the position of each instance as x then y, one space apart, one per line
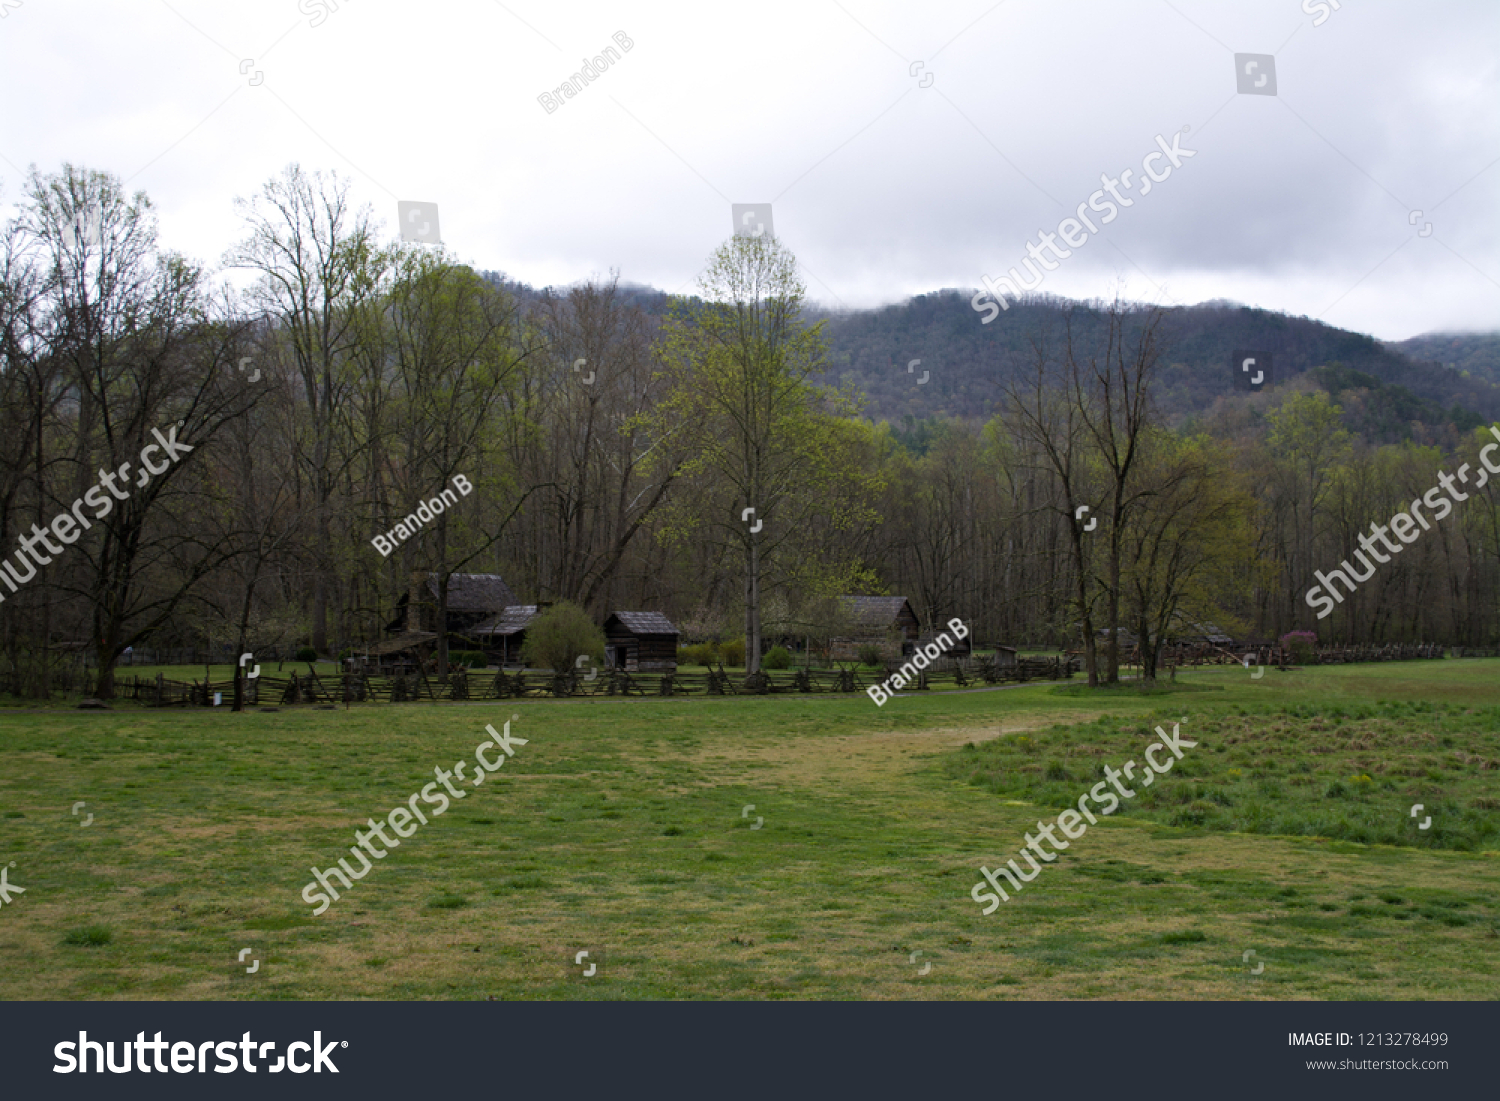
1338 772
90 936
621 828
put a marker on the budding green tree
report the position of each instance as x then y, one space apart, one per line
758 435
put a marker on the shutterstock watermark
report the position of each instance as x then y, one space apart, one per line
992 298
418 222
1320 9
400 819
69 525
924 657
7 888
1405 529
189 1058
424 513
588 72
1071 821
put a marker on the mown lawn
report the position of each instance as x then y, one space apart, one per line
621 828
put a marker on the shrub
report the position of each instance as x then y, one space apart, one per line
869 654
777 657
346 652
1300 643
560 636
471 659
307 653
702 653
733 651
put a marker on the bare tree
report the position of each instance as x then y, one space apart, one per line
1111 388
1045 410
320 270
149 353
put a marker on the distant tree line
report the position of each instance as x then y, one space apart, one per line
619 456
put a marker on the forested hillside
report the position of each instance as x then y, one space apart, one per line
1477 354
968 362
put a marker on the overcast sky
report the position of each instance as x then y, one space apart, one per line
1300 201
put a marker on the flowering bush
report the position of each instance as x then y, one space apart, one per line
1300 643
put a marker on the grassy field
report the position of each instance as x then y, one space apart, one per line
621 828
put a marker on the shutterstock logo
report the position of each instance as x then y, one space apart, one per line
1250 370
190 1058
1255 74
752 219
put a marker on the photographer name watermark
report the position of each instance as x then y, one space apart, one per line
588 72
924 656
425 513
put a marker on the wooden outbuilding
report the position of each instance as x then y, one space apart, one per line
884 621
640 642
406 653
472 598
502 636
1198 634
961 648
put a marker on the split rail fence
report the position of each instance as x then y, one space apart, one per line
1323 655
311 688
319 690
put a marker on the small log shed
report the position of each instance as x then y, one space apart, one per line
640 642
961 648
502 636
884 621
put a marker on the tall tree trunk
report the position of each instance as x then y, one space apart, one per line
752 608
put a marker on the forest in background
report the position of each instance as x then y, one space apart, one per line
615 436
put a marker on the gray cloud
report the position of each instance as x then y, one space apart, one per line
883 187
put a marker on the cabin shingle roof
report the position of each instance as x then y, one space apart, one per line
474 592
874 612
407 641
511 621
644 623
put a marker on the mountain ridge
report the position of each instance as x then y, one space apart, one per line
1432 386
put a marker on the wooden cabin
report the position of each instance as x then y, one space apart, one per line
1187 633
640 642
472 598
502 636
884 621
406 653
